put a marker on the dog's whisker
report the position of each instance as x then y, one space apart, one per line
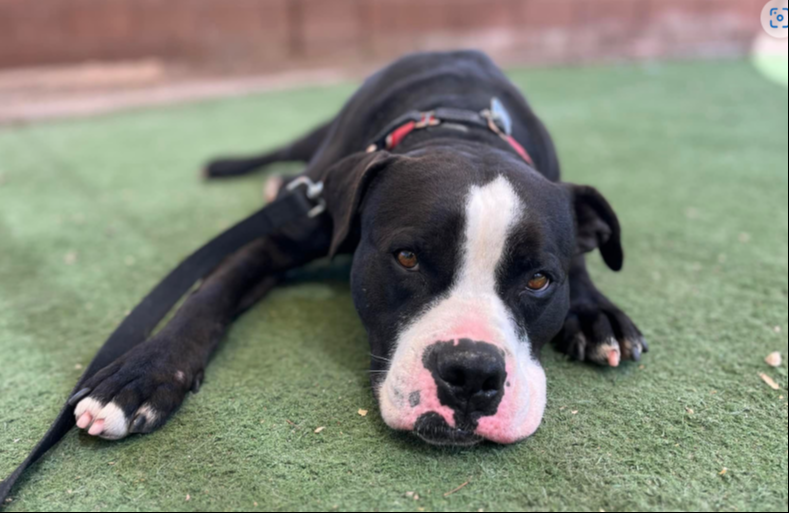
380 358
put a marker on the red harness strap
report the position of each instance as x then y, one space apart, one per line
394 139
520 150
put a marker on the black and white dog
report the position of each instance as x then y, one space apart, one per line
468 259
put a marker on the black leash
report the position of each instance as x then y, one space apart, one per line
302 202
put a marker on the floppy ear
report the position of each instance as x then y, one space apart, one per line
344 187
597 226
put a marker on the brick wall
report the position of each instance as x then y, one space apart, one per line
268 34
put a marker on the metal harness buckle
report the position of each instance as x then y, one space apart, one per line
314 193
428 120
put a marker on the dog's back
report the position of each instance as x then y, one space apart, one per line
466 80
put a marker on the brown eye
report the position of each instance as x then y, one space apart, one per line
408 259
539 282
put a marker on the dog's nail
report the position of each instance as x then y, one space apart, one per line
138 424
636 351
613 358
97 428
198 382
78 396
580 348
84 421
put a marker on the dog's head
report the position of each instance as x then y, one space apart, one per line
460 277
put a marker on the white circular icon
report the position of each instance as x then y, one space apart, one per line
775 18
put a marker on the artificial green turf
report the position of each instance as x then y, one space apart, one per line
694 158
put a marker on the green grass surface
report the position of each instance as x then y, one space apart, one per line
693 156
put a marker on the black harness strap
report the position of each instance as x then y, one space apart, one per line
141 323
496 119
445 115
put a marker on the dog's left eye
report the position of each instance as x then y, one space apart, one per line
539 282
407 259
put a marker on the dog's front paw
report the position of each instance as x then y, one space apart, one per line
599 332
136 394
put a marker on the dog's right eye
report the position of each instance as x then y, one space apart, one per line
539 283
407 259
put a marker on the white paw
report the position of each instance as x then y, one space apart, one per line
105 421
607 354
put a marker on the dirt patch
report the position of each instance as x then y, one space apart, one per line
94 89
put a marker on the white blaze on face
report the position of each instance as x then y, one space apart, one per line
472 310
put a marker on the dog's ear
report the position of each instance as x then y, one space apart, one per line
345 185
597 225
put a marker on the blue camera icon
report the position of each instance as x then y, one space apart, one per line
777 18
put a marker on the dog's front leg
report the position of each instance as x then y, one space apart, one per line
140 391
596 330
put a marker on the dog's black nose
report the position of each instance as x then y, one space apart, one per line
470 376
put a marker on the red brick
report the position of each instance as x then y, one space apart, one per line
101 29
406 17
227 31
480 14
233 29
544 14
37 33
688 9
624 12
330 26
747 12
607 24
397 27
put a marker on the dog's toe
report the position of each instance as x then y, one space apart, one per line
633 348
604 336
97 419
608 353
146 420
86 412
84 421
116 420
112 423
136 394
